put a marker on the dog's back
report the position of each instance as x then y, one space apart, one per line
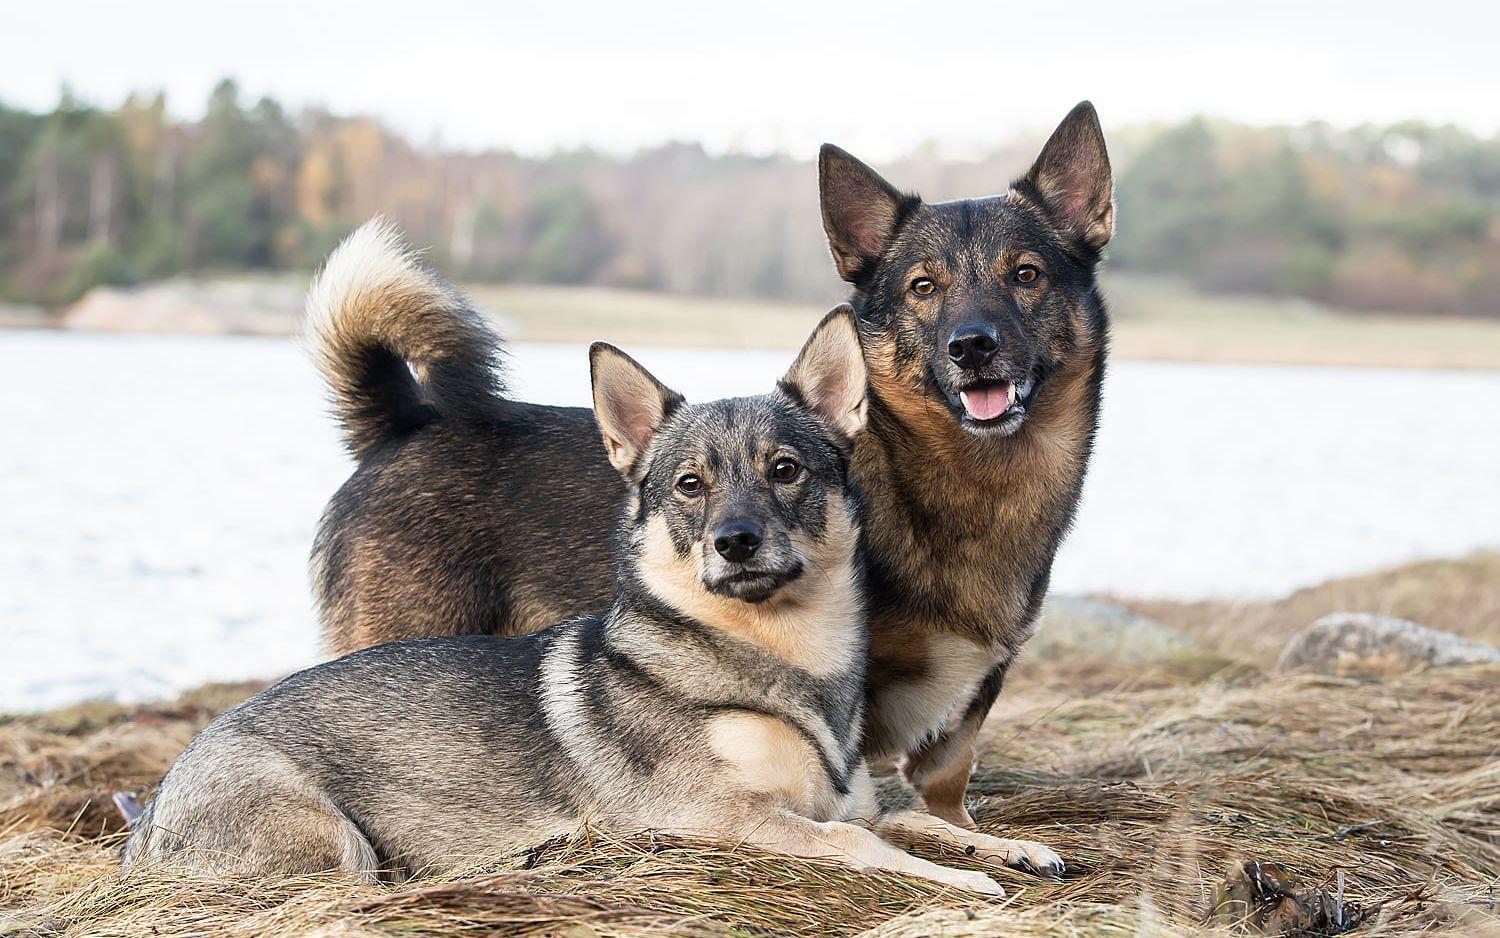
390 758
401 551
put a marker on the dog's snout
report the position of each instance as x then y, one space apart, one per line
737 541
973 344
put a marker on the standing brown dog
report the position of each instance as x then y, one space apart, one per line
985 334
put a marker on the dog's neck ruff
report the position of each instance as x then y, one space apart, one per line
822 635
722 671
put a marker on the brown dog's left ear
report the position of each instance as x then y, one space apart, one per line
1072 176
630 406
829 374
860 210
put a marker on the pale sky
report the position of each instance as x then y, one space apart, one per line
879 78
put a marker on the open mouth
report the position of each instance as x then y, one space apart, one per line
993 402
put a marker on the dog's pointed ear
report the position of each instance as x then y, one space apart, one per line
860 211
630 406
829 375
1072 176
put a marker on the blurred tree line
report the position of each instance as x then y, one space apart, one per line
1404 218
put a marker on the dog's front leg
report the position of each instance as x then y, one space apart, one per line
940 771
915 829
857 847
940 768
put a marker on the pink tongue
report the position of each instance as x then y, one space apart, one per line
986 403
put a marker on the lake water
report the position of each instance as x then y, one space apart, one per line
158 494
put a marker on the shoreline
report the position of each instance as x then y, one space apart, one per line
1127 347
1152 321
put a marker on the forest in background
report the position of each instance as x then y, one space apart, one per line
1401 219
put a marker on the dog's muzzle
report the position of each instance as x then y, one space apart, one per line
990 406
751 584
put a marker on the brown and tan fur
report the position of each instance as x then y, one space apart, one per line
478 510
697 705
965 510
996 505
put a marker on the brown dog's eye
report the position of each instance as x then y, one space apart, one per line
690 485
1026 273
785 470
923 287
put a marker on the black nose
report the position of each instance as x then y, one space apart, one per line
736 541
973 344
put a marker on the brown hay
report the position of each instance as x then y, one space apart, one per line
58 769
1154 793
1460 596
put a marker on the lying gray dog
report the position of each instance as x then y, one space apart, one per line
720 696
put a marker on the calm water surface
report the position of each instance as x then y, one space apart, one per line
158 494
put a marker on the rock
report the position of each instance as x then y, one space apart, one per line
249 305
243 305
1365 644
14 316
1074 627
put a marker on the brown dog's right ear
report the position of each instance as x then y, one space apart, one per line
860 211
1072 175
630 406
829 375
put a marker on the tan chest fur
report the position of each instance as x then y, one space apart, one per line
960 531
908 704
767 757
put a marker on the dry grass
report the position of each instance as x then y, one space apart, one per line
632 317
1153 790
1460 596
1155 318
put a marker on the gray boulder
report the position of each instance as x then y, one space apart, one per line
13 316
1365 644
1073 627
240 305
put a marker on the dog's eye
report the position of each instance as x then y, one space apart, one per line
923 287
690 485
785 470
1026 273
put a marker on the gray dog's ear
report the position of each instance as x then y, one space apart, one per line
630 406
1072 176
829 375
860 211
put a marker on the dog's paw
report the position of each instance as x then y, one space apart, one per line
1035 858
1025 855
973 881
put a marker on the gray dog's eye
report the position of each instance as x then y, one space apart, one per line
690 485
785 470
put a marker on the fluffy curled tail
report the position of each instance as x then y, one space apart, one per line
397 345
